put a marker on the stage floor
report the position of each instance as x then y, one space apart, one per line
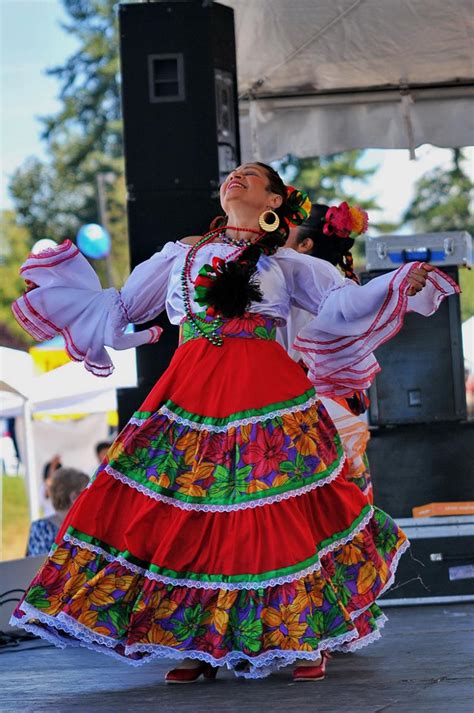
422 664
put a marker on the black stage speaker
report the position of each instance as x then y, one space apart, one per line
179 100
416 464
422 377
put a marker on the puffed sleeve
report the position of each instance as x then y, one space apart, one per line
350 321
69 300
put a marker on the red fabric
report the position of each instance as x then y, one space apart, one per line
246 541
242 374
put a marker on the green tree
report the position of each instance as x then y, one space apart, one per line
443 198
330 179
14 249
443 201
333 179
53 199
90 119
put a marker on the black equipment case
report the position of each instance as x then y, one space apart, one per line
439 566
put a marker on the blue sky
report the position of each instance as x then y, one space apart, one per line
32 40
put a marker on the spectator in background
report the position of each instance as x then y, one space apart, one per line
48 472
64 487
101 450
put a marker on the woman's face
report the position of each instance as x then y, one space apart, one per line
249 185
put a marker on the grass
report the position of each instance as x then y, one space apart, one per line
15 518
466 281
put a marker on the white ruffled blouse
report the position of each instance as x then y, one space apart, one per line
349 321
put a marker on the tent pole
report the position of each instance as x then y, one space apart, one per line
30 464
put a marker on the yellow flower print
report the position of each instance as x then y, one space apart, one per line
204 469
60 555
302 429
366 577
281 479
74 584
89 619
256 485
101 590
189 443
158 635
79 561
287 631
162 480
166 609
219 615
115 450
350 554
187 484
245 432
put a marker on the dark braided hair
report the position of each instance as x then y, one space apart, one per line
331 248
236 287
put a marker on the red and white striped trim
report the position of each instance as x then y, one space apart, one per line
57 255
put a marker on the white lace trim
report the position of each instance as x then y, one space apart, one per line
231 424
207 507
344 540
363 641
191 583
235 423
138 421
261 665
393 568
229 586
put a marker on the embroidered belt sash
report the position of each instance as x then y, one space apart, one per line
249 326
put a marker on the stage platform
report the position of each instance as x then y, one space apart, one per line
422 664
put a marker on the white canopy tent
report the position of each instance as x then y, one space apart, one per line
321 76
68 390
16 382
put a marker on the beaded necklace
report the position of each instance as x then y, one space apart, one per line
201 326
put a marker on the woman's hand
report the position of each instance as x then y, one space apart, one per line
417 278
30 285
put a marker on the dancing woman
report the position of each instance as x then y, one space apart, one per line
329 234
219 530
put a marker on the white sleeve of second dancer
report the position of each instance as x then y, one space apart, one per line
349 321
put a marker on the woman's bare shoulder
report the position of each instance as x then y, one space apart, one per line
190 239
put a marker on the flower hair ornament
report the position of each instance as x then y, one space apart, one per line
345 221
298 206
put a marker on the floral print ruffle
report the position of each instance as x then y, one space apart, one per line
245 463
103 603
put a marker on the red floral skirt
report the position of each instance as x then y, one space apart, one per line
220 526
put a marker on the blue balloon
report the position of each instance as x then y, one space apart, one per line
94 241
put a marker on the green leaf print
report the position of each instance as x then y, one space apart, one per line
120 618
385 540
339 583
323 624
229 483
297 467
134 464
37 597
191 624
262 333
246 633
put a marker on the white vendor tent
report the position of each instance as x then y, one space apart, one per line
16 383
468 343
68 390
321 76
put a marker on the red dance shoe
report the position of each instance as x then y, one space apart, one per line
190 675
312 673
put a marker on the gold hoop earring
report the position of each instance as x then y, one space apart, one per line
269 221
